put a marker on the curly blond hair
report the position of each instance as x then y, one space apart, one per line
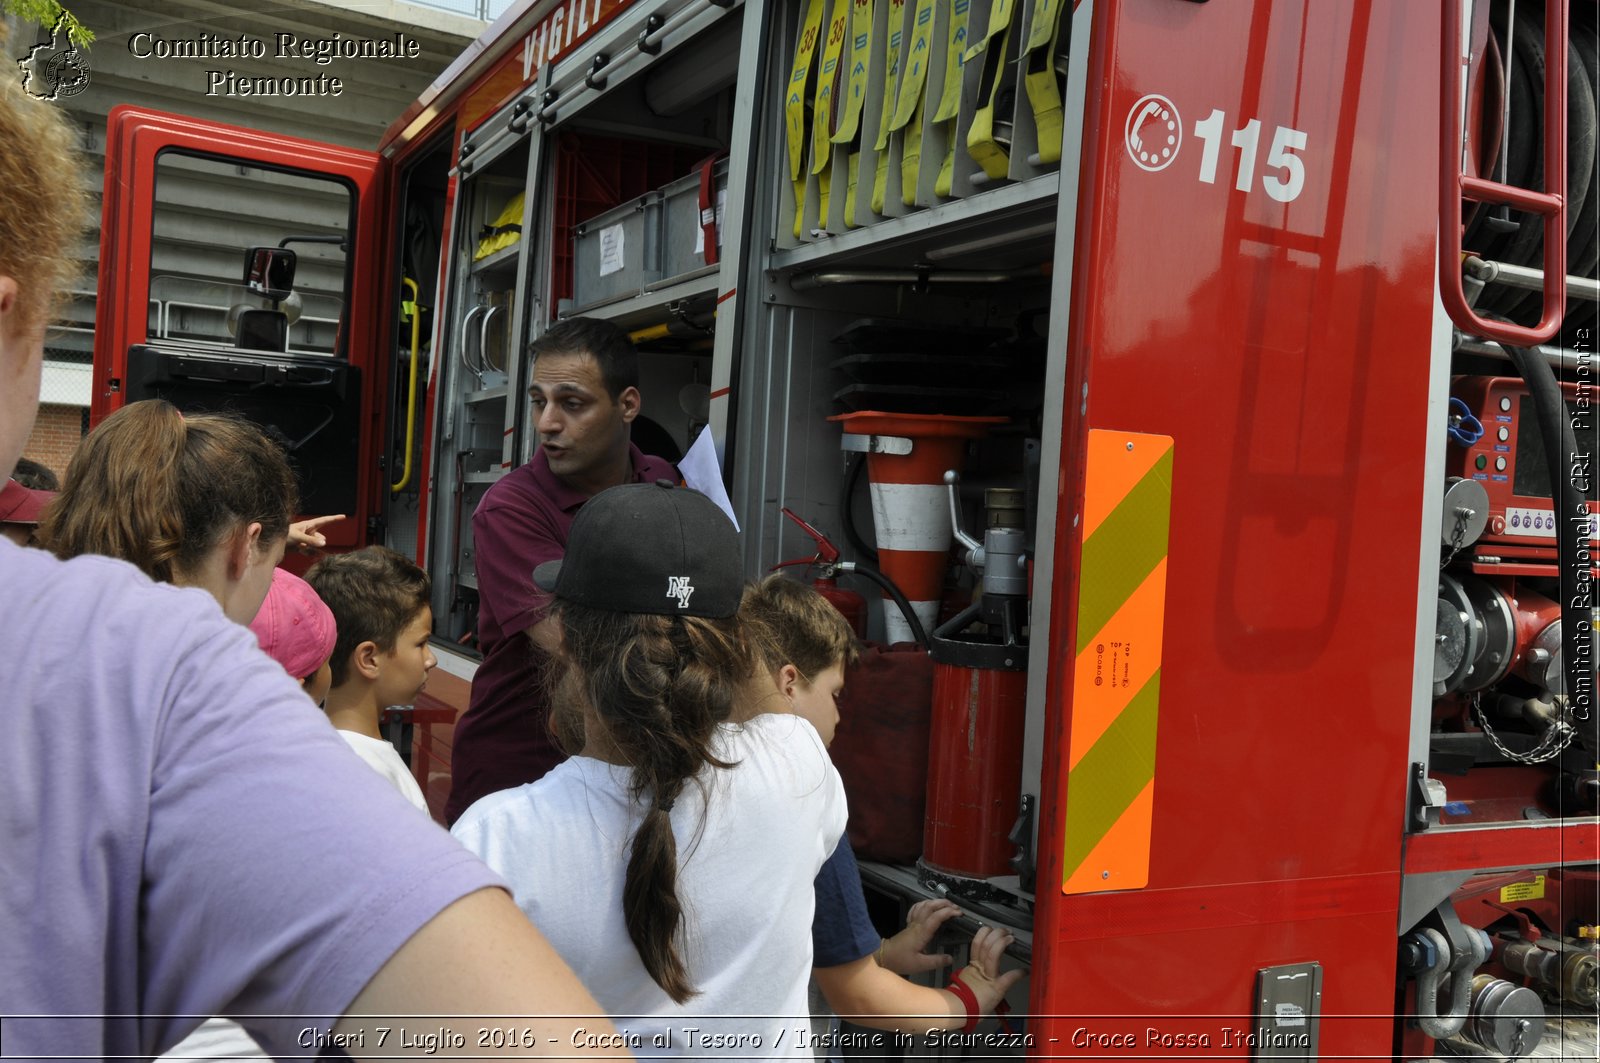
43 207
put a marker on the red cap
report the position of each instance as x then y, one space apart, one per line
22 505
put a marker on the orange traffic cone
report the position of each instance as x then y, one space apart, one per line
910 503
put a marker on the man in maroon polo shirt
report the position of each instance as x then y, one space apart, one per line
585 394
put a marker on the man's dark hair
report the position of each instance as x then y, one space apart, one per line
601 340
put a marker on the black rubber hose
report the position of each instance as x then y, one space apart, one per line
1572 549
1496 227
918 633
1581 134
1524 157
852 476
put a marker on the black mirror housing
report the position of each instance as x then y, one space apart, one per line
269 271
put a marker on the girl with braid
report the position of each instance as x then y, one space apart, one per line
671 860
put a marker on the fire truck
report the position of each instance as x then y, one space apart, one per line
1205 390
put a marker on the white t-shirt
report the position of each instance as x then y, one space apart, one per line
385 760
217 1039
750 842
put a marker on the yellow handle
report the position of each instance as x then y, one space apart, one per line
411 393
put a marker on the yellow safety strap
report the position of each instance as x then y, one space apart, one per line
981 144
794 108
911 156
849 131
908 102
891 79
1044 90
860 49
852 175
918 60
822 112
950 98
943 184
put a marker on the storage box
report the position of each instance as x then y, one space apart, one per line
616 254
683 237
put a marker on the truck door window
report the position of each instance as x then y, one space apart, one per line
207 211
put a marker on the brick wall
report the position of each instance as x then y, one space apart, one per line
55 436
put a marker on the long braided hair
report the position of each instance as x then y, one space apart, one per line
659 685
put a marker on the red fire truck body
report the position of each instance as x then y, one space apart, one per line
1257 770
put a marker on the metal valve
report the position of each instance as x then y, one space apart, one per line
1001 559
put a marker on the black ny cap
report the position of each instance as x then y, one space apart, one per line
649 548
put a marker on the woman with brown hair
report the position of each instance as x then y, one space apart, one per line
199 501
671 861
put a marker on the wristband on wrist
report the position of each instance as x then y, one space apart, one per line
969 1000
879 957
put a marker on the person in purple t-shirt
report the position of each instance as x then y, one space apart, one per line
183 834
585 394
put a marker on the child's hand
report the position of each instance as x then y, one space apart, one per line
303 535
903 953
981 974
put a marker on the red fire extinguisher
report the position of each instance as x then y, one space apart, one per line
826 561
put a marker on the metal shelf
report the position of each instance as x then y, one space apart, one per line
988 222
649 306
488 477
472 398
502 261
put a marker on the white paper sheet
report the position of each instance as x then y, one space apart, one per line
703 472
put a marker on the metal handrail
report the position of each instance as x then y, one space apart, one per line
466 345
411 388
1454 185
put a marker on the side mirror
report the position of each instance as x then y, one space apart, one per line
269 271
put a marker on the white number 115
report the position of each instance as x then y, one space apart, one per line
1281 157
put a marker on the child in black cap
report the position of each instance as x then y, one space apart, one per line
671 860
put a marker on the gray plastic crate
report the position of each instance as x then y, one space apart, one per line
616 254
682 236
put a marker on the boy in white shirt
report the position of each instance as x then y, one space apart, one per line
380 600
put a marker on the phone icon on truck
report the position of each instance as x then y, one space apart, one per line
1154 132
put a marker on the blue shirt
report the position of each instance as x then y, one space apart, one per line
840 931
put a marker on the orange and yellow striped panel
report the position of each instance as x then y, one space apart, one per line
1122 589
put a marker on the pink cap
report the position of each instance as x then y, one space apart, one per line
22 505
295 627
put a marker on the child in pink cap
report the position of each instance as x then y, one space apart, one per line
296 629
